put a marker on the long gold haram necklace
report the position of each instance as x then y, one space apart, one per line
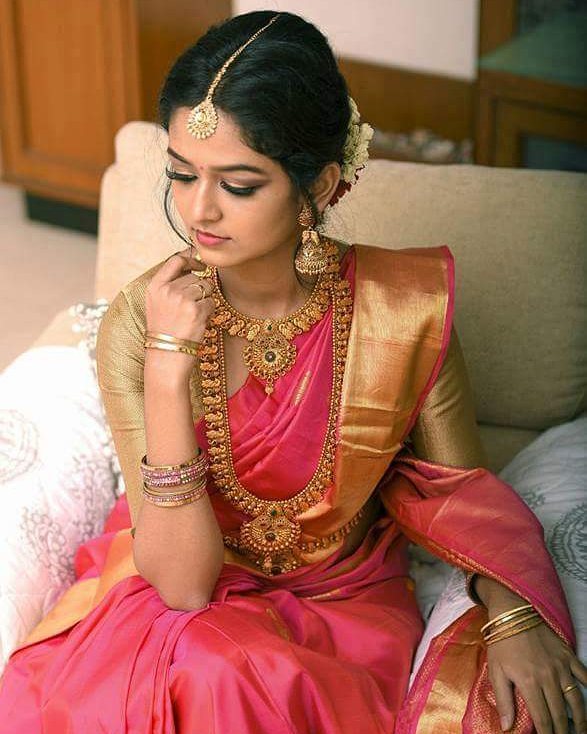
270 353
272 537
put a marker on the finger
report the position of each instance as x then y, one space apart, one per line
577 705
579 670
198 291
174 266
556 703
538 709
185 281
504 699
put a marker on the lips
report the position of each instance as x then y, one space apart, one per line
208 239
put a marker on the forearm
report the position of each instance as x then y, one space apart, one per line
496 597
179 550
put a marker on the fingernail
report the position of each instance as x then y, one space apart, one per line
504 723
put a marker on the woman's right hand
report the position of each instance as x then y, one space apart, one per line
174 306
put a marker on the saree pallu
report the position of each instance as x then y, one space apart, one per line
327 647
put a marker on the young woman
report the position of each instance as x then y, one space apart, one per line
289 412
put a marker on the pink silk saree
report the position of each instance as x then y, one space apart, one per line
327 647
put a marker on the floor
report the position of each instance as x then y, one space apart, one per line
43 269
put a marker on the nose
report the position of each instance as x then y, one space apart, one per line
204 204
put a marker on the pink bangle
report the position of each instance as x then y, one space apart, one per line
174 475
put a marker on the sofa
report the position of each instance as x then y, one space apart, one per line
519 241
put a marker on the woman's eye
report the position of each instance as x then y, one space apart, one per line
240 190
236 190
170 173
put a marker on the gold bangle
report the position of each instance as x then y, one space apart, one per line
171 339
186 488
200 456
172 496
504 615
169 476
181 483
170 347
511 633
175 501
511 625
513 619
512 622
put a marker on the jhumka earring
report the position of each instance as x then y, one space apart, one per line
311 257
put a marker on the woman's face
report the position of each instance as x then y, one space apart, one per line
255 210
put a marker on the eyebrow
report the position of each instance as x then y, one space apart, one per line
223 169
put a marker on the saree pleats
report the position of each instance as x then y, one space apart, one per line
260 657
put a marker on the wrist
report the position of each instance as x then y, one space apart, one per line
496 597
169 370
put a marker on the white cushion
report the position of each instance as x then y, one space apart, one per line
58 480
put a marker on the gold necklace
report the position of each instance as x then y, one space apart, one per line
270 353
272 537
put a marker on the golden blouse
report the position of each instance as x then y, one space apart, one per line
445 430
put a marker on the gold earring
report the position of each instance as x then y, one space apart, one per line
311 258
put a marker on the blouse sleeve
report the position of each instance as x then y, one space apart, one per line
120 369
446 429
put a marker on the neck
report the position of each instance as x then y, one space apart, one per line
266 287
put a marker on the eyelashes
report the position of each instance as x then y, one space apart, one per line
236 190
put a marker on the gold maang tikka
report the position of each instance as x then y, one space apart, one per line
203 118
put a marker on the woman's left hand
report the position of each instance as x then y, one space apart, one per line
540 665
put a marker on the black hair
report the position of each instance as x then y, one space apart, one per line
284 91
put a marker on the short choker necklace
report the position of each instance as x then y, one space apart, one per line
270 354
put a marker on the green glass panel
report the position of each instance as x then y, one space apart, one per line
550 154
555 51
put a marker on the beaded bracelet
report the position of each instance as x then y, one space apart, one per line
174 474
175 500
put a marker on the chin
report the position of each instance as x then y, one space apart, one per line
228 257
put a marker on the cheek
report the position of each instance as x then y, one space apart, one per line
180 198
278 211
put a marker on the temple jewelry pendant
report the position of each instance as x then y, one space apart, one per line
269 355
271 537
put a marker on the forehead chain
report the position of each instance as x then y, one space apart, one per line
203 118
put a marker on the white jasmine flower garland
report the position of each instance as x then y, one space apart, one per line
356 147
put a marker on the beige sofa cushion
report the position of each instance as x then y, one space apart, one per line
518 238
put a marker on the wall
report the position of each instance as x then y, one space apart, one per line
433 36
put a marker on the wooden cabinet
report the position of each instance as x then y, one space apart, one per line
532 95
72 72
